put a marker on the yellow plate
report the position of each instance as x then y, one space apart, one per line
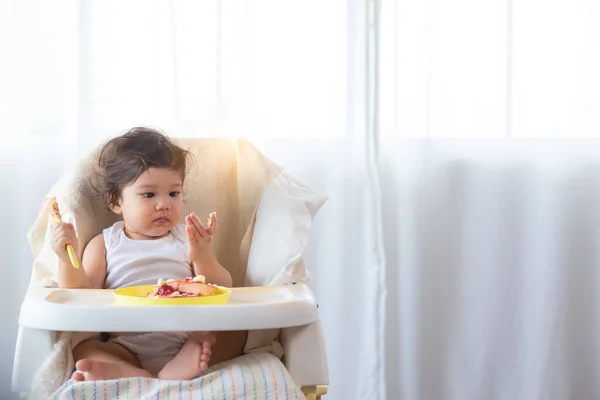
137 296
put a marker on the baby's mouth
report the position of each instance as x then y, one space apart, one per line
161 220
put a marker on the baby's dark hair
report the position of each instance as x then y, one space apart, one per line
123 159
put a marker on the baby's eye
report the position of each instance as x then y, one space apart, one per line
148 195
174 194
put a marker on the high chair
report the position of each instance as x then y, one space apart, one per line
264 222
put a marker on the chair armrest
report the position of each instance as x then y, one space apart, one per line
304 354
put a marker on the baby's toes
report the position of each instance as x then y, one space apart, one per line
78 376
203 366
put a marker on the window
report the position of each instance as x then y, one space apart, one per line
492 69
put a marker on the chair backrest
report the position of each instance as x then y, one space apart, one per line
227 176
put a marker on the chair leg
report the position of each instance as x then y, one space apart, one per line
314 392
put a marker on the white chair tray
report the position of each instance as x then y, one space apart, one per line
95 310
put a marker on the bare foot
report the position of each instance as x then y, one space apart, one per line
192 359
90 370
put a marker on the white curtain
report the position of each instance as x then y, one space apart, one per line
456 257
490 168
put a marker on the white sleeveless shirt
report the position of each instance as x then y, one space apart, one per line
142 262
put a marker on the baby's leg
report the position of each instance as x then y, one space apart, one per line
192 359
95 360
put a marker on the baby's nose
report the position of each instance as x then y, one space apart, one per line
163 204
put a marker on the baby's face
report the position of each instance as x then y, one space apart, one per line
152 205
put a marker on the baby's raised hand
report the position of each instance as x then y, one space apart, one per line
200 237
61 235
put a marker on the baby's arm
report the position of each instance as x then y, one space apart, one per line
94 262
212 271
94 259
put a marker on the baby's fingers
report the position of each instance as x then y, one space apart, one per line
192 234
198 225
61 228
212 223
194 224
63 241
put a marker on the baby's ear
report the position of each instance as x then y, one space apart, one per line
115 204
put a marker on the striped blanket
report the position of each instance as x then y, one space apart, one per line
254 376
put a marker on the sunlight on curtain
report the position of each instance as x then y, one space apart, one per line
216 68
490 69
443 68
556 89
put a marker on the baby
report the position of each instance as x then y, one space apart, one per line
140 175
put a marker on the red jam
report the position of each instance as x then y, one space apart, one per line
165 290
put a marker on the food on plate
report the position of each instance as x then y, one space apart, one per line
188 287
